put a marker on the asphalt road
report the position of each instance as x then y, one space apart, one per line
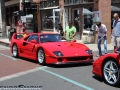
22 72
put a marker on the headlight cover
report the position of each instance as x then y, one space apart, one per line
58 53
89 51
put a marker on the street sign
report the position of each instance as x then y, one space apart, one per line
96 16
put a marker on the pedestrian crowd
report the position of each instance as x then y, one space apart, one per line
100 29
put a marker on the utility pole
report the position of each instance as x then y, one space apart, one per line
3 18
38 18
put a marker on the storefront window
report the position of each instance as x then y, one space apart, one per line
47 19
87 19
49 3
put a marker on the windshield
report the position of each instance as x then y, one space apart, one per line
50 38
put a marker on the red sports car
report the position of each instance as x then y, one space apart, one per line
108 67
48 48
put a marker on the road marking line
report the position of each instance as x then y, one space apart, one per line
8 56
67 79
22 73
4 49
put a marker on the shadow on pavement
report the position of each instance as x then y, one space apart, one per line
56 65
100 79
29 60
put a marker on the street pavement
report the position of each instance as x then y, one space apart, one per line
21 72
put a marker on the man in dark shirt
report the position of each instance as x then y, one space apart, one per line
60 29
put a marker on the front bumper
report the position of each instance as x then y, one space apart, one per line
74 62
69 60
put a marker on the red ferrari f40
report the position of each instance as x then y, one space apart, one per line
48 48
108 67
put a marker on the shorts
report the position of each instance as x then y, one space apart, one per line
115 41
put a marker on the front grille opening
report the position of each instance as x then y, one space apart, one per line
60 60
76 58
91 57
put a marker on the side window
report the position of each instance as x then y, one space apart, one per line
33 37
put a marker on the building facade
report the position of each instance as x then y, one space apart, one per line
10 7
77 11
44 15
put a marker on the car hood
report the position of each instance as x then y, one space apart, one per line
67 48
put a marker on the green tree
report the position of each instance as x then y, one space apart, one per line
3 18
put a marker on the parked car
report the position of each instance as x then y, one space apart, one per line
108 67
48 48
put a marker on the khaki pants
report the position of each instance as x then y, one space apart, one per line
116 41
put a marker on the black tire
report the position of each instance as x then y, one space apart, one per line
15 51
41 56
111 72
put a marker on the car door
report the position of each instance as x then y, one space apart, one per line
28 46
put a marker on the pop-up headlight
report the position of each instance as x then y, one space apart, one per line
89 51
58 53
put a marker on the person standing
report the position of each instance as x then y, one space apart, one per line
60 29
116 31
101 30
23 29
70 32
79 23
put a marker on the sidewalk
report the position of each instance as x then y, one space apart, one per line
4 41
93 47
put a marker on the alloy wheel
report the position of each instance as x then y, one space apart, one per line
15 50
111 72
41 56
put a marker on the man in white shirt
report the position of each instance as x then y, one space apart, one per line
101 30
116 31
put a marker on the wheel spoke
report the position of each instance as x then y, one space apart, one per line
111 65
109 77
114 78
41 58
115 71
107 70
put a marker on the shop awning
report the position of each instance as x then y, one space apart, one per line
90 4
86 11
114 8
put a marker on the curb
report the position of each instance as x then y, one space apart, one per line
96 52
5 44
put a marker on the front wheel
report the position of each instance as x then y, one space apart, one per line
41 56
111 72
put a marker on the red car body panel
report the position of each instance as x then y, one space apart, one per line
97 65
70 50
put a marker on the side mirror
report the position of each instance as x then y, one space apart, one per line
74 41
118 50
33 41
